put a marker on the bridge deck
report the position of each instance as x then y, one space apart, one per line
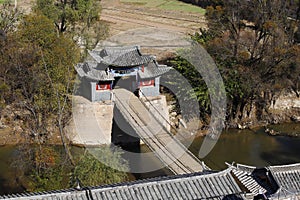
169 150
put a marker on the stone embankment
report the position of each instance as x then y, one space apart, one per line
94 123
277 108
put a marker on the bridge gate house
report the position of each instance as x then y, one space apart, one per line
122 67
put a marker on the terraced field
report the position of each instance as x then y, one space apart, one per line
169 14
158 26
174 5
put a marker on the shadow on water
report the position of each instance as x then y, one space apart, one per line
8 178
150 161
250 147
131 143
283 154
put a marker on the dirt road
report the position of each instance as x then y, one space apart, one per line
124 16
156 31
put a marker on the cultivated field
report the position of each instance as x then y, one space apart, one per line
158 26
174 5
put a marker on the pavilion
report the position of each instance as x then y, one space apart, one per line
119 67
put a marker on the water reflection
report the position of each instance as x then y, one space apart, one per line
252 148
8 179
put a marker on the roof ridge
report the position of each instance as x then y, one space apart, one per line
284 166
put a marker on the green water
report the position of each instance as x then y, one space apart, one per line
253 147
8 180
241 146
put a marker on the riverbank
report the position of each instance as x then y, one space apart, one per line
13 136
9 136
251 147
12 133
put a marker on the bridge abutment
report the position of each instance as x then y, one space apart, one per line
91 124
101 123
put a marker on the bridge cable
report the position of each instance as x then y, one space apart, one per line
184 169
180 134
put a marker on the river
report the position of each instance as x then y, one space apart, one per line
251 147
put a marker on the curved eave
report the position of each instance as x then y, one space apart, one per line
97 79
153 73
79 70
130 63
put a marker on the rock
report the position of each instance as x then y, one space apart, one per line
182 123
173 114
295 118
17 129
241 127
271 131
2 126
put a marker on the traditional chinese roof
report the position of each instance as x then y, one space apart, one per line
87 70
152 69
288 179
220 185
250 178
121 56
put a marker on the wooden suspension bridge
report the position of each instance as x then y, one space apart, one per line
155 135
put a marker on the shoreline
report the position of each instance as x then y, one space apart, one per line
8 136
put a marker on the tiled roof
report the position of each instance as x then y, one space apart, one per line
95 55
121 56
220 185
152 70
247 176
204 185
85 70
287 177
52 195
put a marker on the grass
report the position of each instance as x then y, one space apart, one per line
180 6
175 5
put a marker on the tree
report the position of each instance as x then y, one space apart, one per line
48 170
53 76
68 13
253 43
37 77
80 18
8 18
199 88
89 171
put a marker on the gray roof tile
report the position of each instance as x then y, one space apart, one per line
84 70
246 175
287 177
152 70
193 187
219 185
121 56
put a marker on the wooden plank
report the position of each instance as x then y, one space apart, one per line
164 145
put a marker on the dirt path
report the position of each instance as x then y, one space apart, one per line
124 17
156 31
25 5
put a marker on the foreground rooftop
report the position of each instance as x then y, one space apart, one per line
235 182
